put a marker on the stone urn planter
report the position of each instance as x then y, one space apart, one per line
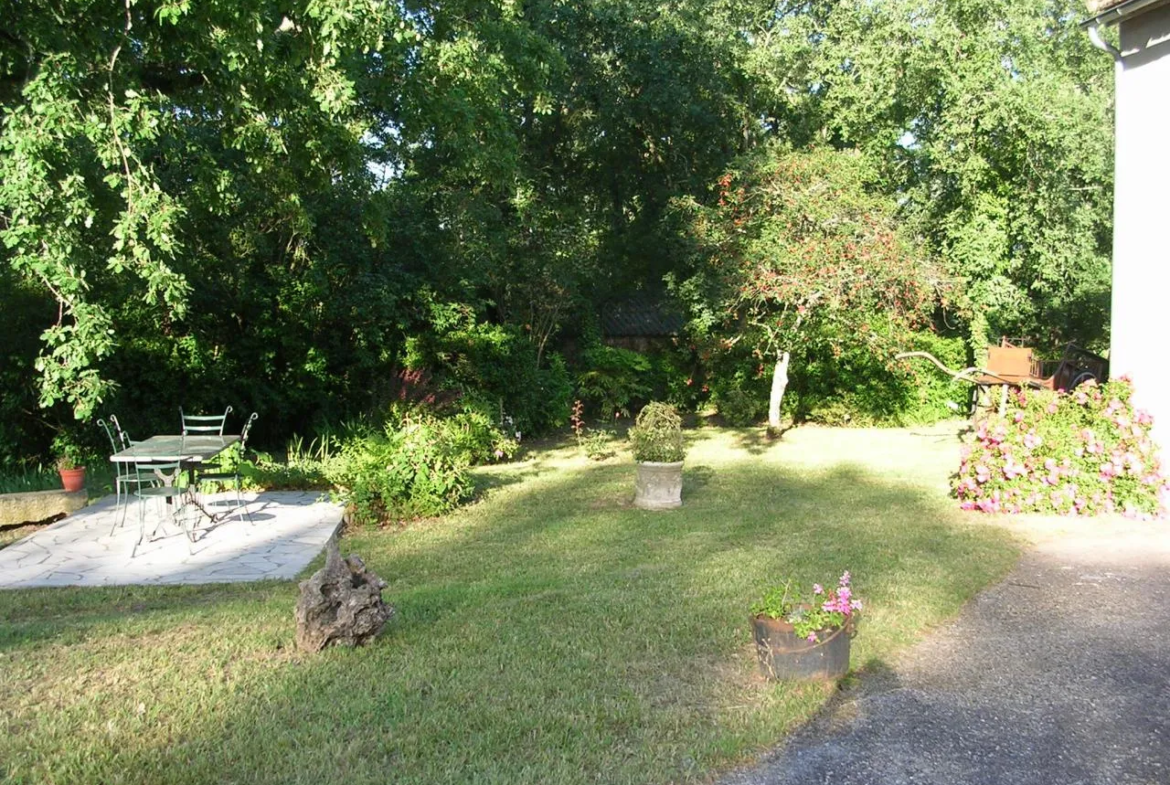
783 655
658 448
658 486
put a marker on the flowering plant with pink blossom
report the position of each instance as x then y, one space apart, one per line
1078 453
811 615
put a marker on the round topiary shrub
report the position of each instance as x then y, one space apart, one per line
1077 453
657 434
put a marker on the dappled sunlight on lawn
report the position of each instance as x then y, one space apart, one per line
548 632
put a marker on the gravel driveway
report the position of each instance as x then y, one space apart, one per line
1059 675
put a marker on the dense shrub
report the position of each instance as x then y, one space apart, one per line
474 436
497 366
1075 453
933 395
263 472
740 408
402 472
613 380
413 466
677 377
846 385
854 386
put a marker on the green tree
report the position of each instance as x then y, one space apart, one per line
992 121
799 252
128 129
259 203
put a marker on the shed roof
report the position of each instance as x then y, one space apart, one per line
641 315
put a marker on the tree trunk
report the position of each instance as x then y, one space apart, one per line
779 385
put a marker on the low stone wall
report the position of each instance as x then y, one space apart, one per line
38 505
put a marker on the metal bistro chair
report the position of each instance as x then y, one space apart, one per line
222 477
203 424
168 473
124 473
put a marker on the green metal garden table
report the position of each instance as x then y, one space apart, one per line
189 452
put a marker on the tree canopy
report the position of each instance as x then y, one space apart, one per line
284 204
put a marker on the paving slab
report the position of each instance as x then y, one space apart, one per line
1059 675
287 530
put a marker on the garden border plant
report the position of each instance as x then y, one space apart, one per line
415 464
1070 453
596 443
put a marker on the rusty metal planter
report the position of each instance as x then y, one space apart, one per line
783 655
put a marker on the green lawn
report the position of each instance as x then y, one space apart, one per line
549 633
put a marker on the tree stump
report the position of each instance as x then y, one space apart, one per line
341 604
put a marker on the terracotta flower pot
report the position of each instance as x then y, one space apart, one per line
785 656
72 480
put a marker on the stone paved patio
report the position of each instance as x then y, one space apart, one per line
288 530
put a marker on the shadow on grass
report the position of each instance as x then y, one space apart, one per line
696 478
1031 685
551 633
757 441
29 617
500 477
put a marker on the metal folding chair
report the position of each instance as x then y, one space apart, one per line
203 424
124 473
168 475
223 477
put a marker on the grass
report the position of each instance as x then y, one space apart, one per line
549 633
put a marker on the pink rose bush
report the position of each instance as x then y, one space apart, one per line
1078 453
823 611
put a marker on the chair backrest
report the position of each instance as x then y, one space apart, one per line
244 433
203 424
110 435
146 470
119 439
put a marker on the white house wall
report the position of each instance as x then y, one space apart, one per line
1140 342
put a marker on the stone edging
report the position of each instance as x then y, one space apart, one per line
33 506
